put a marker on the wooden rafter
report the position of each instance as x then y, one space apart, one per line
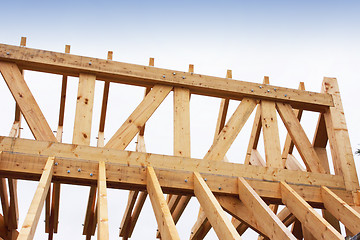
102 208
163 216
214 213
274 228
308 217
32 218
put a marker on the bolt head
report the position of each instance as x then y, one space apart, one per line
274 89
252 90
205 179
174 73
219 188
268 90
79 170
285 95
183 77
260 87
163 76
90 63
56 163
7 53
68 171
186 180
91 174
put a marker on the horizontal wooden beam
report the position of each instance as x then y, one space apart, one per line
25 158
72 65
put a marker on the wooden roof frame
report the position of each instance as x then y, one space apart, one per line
250 192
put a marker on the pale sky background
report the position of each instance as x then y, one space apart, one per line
289 41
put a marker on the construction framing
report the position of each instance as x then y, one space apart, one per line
251 192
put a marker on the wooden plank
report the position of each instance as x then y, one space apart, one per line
296 229
47 61
13 207
308 217
229 132
90 211
84 109
239 211
102 207
4 200
137 209
256 129
289 144
147 90
105 100
341 210
273 227
125 223
55 204
165 222
201 227
299 137
32 218
23 97
340 145
63 93
224 105
138 118
36 151
214 213
271 135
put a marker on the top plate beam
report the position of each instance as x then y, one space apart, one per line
72 65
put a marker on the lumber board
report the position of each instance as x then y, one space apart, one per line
256 129
213 211
308 217
339 140
26 101
239 211
102 205
84 109
165 222
274 228
4 197
224 106
126 220
138 118
32 217
341 210
229 132
36 151
72 65
271 135
299 138
289 144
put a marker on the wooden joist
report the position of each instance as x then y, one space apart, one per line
341 210
213 211
274 228
32 218
72 65
308 217
163 216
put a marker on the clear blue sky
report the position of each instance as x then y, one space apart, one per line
290 41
